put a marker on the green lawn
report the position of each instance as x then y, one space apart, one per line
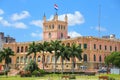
56 77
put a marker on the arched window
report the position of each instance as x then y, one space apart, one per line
100 59
58 26
53 59
22 49
94 58
85 57
61 35
52 26
17 60
68 44
18 49
49 35
21 60
26 49
38 59
48 59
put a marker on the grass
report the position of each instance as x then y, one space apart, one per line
57 77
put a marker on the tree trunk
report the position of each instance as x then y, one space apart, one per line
62 66
6 70
72 65
43 58
55 64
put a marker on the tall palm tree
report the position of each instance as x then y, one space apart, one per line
44 48
33 49
75 52
63 53
5 55
55 46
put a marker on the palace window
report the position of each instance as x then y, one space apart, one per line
61 35
105 47
21 60
53 59
52 26
100 47
26 49
18 49
94 46
110 48
38 59
94 58
100 59
22 49
49 35
85 57
17 60
48 59
85 46
58 26
115 48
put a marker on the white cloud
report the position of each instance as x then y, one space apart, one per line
20 25
38 23
73 19
36 34
74 34
1 12
19 16
4 22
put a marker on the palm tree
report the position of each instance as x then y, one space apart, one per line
55 46
5 55
63 53
44 48
74 52
33 49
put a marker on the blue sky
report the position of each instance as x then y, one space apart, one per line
22 19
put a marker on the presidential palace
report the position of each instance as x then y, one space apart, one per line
94 49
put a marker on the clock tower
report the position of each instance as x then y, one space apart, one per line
55 29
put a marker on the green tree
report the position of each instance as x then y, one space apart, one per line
43 47
75 52
114 59
5 54
63 53
55 46
33 49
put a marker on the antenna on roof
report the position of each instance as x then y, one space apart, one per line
99 15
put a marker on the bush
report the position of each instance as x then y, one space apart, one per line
32 66
72 77
111 78
25 74
42 71
1 72
36 73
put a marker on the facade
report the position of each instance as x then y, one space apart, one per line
94 49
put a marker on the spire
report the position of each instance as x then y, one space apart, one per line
56 17
66 18
44 18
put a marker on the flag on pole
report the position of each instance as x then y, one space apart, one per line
56 6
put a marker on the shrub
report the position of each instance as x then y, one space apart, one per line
25 74
42 71
1 72
32 66
111 78
72 77
36 73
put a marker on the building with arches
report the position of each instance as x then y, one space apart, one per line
94 49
